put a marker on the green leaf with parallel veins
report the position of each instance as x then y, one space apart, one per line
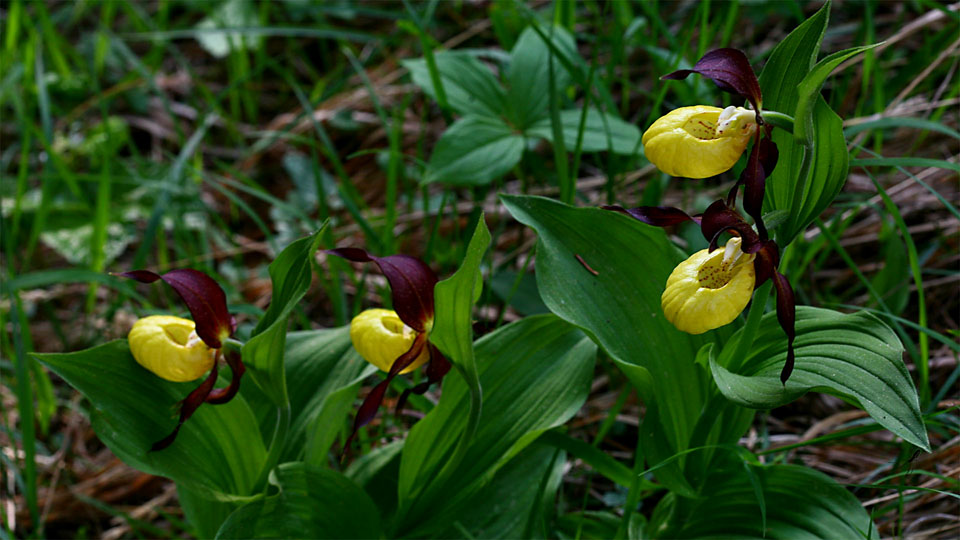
218 451
528 76
809 89
518 499
313 503
469 84
780 79
601 131
620 308
324 374
799 502
856 357
290 275
454 298
475 150
535 375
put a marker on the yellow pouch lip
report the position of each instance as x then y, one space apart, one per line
169 347
380 337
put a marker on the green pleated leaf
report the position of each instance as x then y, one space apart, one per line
312 503
528 76
855 356
601 131
453 302
218 452
290 275
475 150
803 191
799 503
809 89
469 85
324 374
620 308
535 375
519 500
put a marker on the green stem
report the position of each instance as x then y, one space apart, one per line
634 493
778 119
276 446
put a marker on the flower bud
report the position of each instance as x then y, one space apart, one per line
699 141
709 290
381 337
170 348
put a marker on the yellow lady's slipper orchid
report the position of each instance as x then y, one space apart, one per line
709 290
699 141
170 348
381 337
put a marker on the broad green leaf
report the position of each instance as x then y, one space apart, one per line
535 375
825 176
475 150
290 275
800 503
204 513
218 452
780 79
519 499
313 503
856 357
324 374
809 89
528 76
469 84
601 131
454 298
620 308
377 472
522 296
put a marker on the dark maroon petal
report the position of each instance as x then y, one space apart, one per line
411 284
786 315
731 71
371 403
658 216
143 276
768 258
763 158
220 396
204 298
189 406
438 367
720 218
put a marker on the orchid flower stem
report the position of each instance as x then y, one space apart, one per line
778 119
233 344
276 446
750 329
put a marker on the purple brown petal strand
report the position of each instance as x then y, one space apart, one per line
220 396
438 367
189 406
720 218
731 71
411 284
762 160
658 216
371 403
204 298
768 258
786 315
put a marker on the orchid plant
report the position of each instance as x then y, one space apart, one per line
487 456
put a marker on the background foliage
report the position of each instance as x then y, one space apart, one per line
145 135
